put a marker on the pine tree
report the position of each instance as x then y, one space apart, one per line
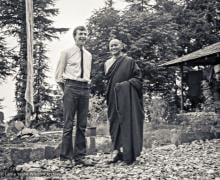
14 21
6 56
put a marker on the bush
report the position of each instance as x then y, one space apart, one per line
158 111
97 109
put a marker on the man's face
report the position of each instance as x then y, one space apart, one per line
115 47
81 37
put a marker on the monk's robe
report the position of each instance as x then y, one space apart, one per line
125 107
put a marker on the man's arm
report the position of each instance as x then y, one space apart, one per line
60 70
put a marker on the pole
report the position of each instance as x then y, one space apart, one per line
29 84
181 97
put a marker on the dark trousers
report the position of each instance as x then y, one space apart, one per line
75 100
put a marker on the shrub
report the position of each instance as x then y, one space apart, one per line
158 111
96 110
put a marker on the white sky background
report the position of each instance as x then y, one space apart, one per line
72 13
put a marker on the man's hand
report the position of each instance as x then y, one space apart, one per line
61 85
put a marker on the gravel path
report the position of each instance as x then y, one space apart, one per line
198 160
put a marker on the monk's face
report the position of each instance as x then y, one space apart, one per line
115 47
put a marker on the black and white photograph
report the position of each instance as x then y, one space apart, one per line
110 89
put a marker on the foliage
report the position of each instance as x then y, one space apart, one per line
198 23
148 38
57 107
6 64
42 97
101 25
96 110
157 111
153 34
6 55
151 37
43 92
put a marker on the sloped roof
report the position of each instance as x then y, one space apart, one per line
209 55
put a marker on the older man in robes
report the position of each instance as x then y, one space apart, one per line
125 104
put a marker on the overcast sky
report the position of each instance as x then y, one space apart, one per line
72 14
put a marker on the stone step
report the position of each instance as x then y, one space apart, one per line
32 152
19 153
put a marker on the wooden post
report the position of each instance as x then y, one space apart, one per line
29 85
91 134
28 110
181 97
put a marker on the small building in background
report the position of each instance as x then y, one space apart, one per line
200 73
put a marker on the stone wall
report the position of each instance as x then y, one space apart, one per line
192 126
198 126
47 146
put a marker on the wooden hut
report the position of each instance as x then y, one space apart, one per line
209 55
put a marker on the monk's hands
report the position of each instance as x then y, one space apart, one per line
121 83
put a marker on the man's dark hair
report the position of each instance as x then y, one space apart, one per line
80 28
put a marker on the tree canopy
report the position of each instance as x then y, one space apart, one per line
153 33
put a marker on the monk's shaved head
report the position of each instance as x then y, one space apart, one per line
113 41
115 47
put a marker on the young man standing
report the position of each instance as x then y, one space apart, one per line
73 77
